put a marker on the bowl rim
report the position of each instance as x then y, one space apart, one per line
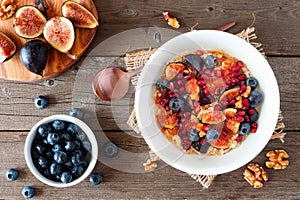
142 115
85 128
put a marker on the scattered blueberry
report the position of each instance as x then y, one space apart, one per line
212 135
110 150
57 148
77 144
252 82
96 178
43 130
53 138
162 84
244 128
76 112
56 169
58 125
81 136
254 117
69 146
255 98
65 136
176 104
60 157
211 61
194 60
72 129
193 135
66 177
41 149
76 159
28 192
43 162
12 174
41 102
77 170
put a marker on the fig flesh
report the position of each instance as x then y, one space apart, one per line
59 33
7 47
34 56
79 15
29 22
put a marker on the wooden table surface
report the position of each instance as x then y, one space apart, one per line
277 27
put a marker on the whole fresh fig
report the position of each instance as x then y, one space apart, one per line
34 56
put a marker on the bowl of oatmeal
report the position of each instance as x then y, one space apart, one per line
207 102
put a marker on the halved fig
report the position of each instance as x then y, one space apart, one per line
213 117
230 94
59 33
79 15
29 22
173 69
7 47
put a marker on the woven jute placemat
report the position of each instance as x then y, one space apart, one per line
137 59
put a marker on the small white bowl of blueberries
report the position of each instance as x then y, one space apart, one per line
61 150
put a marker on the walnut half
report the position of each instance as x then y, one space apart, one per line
7 9
255 175
277 159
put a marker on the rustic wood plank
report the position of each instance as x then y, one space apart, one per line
276 22
164 183
73 89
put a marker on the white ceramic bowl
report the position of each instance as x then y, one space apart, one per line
90 135
207 40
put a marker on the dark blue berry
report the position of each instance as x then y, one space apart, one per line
66 177
72 129
46 173
162 84
58 125
28 192
60 157
43 162
77 170
57 148
65 136
12 174
176 104
254 117
252 82
193 135
43 130
196 145
110 150
96 178
255 98
194 60
76 112
69 146
41 102
204 147
41 149
211 61
244 128
77 144
76 159
53 138
56 169
81 136
212 135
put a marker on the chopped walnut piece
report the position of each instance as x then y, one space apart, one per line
255 175
277 159
7 9
150 166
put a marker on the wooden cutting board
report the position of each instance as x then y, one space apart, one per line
57 62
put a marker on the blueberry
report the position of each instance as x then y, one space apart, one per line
212 135
66 177
96 178
57 148
211 61
80 152
53 138
204 147
176 104
65 136
12 174
194 60
110 150
72 129
76 159
41 149
46 173
41 102
162 84
76 112
252 82
43 162
244 128
77 144
87 145
58 125
254 117
81 136
69 146
56 169
43 130
28 192
255 98
60 157
77 170
193 135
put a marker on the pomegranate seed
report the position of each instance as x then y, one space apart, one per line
226 72
247 118
208 72
218 107
199 52
183 120
242 77
181 90
241 113
179 114
234 75
172 95
186 145
240 119
239 138
235 81
206 91
166 15
197 110
228 82
245 103
232 101
171 85
202 141
205 77
253 130
201 83
179 82
243 88
205 128
236 68
186 114
242 83
240 63
180 76
164 102
187 77
224 103
254 125
217 91
167 108
218 73
251 111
